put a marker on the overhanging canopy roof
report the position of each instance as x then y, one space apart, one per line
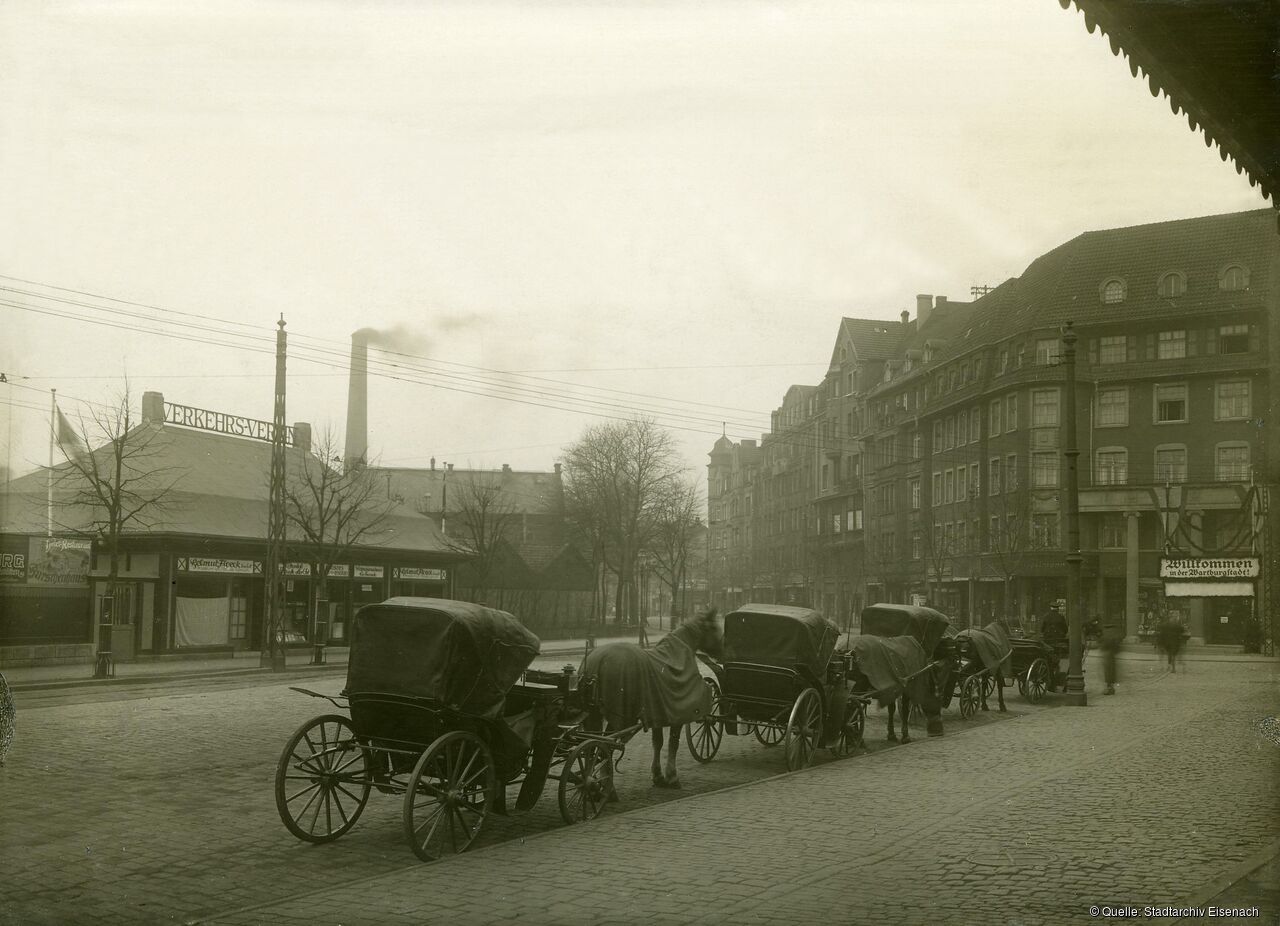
1217 62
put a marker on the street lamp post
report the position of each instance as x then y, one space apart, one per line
1075 694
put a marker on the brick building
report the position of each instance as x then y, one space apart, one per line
948 429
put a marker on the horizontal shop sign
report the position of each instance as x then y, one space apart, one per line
221 422
1242 567
297 569
368 572
413 572
1208 589
239 567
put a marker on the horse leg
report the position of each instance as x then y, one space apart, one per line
906 714
982 691
658 780
611 796
669 771
892 737
1000 692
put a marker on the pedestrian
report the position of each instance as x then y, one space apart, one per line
8 718
1170 638
1053 631
1112 634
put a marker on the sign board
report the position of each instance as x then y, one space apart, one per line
1208 589
13 559
57 561
221 422
238 567
368 572
413 572
919 600
302 570
1231 568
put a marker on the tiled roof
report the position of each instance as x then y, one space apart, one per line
220 490
874 338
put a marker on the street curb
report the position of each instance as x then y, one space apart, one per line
1240 870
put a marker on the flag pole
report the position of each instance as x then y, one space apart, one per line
53 426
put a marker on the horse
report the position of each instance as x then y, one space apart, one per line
657 688
989 649
900 696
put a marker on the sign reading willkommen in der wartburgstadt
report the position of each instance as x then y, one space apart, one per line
1230 568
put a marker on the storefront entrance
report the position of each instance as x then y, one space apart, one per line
1226 620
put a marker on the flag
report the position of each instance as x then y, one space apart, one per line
68 440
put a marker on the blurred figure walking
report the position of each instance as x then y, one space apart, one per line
1112 635
1171 636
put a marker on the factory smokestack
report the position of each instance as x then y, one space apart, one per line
358 402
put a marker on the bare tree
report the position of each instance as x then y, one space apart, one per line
482 515
124 485
1008 537
333 508
675 524
614 476
939 551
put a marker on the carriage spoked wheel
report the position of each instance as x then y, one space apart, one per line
969 697
988 686
448 795
705 734
585 782
769 734
849 738
1036 681
804 730
323 779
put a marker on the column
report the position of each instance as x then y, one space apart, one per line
1196 606
1131 577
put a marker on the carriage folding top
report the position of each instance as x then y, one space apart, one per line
929 627
780 635
458 654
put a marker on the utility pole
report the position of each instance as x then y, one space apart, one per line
273 574
1075 694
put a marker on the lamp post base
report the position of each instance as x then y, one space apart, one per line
1075 695
273 661
317 655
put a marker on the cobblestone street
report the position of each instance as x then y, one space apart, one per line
159 809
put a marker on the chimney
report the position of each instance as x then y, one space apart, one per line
302 436
557 469
906 317
153 407
358 402
433 464
940 304
506 468
924 307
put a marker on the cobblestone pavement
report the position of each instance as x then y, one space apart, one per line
159 810
153 803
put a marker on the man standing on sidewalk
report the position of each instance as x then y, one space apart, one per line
1112 634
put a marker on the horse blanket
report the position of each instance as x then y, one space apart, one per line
888 663
660 686
992 645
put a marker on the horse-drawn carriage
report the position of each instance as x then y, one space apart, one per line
781 680
905 650
444 711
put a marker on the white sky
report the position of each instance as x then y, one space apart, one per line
685 197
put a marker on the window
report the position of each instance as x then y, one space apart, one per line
1046 351
950 432
1231 463
1011 412
962 428
949 486
917 545
993 533
975 425
937 490
1233 339
1113 349
915 445
962 483
1044 531
1112 532
1113 407
1171 463
1233 278
993 418
1113 291
1011 472
1044 408
1004 359
962 536
1112 466
1171 345
1232 399
1171 403
826 473
239 610
1044 469
937 436
974 475
993 476
1172 284
915 494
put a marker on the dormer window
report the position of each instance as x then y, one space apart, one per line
1113 291
1233 278
1172 284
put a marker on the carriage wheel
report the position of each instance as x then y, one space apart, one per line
770 733
322 779
448 795
969 697
804 730
1036 682
704 735
585 782
850 736
988 686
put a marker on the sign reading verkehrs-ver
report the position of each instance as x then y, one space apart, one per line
221 422
1231 568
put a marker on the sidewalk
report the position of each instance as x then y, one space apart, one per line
158 669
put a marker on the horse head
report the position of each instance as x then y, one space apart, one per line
704 633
